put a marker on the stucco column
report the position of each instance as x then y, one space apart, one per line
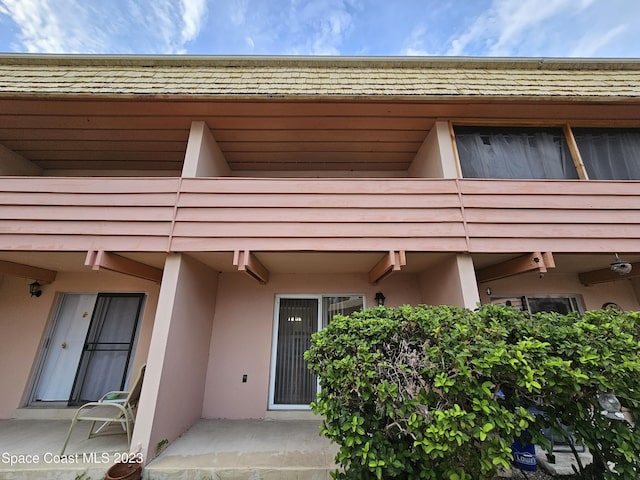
451 282
203 157
435 158
173 388
12 163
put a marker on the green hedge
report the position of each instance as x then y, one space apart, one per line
442 392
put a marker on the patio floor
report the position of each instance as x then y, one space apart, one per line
31 449
211 449
246 450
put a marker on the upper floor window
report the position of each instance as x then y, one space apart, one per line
514 152
609 153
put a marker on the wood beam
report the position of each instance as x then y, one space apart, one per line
393 261
525 263
575 152
248 263
42 275
604 275
110 261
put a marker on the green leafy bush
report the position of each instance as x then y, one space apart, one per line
442 392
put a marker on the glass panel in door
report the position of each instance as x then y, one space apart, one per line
63 348
297 320
108 346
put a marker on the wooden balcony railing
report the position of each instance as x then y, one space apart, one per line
261 214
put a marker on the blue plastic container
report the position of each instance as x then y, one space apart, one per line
524 456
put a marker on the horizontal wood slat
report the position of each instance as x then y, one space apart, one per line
215 122
545 230
80 213
86 227
318 230
469 187
565 245
88 199
386 165
564 216
67 185
319 215
317 200
75 243
547 201
203 244
324 186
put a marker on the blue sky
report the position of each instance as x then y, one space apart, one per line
521 28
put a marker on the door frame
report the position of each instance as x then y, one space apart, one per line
274 340
274 348
30 398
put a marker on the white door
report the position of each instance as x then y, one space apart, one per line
64 347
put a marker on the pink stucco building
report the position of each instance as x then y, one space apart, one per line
206 214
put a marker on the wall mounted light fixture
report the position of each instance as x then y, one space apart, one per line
380 299
620 266
35 289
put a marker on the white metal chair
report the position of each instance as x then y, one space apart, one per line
114 407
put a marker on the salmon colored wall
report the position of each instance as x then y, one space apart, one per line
24 321
242 332
173 390
594 296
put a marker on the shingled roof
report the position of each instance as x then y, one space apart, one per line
317 77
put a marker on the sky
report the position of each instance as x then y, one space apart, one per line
484 28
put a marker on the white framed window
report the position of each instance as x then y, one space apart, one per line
296 318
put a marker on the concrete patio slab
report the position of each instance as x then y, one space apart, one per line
30 449
246 450
562 461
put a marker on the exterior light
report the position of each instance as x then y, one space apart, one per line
380 299
35 289
611 407
620 266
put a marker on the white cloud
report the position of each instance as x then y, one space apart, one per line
239 10
193 15
95 26
591 44
414 44
40 26
319 27
507 25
